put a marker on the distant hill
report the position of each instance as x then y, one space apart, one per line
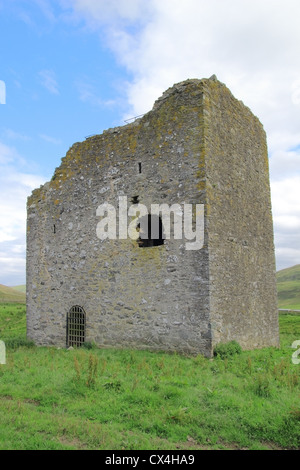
288 286
12 294
20 288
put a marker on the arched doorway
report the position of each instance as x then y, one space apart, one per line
76 319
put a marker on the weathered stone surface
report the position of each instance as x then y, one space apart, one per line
198 145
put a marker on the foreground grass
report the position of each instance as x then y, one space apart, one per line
111 399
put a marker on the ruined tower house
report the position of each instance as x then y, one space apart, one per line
198 145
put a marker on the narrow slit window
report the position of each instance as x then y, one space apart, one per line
140 168
75 327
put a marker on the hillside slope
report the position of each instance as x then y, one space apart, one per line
9 294
21 288
288 286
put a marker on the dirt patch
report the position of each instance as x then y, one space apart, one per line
6 397
74 443
32 402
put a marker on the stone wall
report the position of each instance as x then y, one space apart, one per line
243 295
197 145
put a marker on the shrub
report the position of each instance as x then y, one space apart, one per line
224 350
89 345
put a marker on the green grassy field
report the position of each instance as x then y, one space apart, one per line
111 399
12 321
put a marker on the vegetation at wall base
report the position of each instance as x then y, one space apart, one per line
225 350
92 398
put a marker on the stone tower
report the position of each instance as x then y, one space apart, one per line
198 146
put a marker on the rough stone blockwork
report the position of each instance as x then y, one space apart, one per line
198 145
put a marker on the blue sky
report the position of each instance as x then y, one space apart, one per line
62 84
73 68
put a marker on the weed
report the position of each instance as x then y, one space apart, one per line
103 365
88 345
92 370
249 365
200 360
295 414
77 369
225 350
113 385
178 416
262 386
292 379
135 383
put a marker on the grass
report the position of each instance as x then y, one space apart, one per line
124 399
12 321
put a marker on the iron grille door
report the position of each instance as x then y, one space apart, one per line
75 326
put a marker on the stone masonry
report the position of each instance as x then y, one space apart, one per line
198 145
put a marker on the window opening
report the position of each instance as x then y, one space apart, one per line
140 168
151 231
75 327
54 228
135 199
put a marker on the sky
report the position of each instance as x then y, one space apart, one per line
73 68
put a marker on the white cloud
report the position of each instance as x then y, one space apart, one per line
113 12
251 45
46 8
13 267
286 217
7 154
51 140
284 163
296 92
2 92
13 135
15 187
48 80
89 93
